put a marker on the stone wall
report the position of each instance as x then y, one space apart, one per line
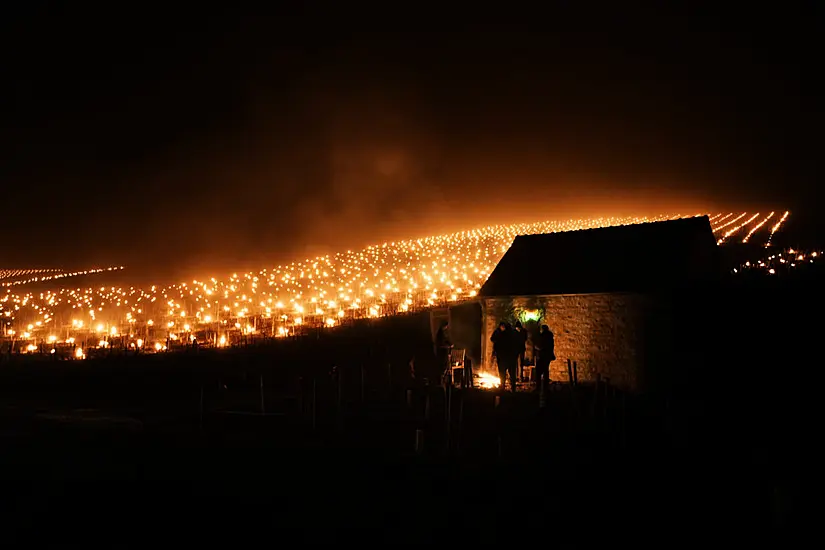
603 333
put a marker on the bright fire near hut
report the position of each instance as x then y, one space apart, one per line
318 293
486 380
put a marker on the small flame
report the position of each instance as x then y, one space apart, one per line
487 380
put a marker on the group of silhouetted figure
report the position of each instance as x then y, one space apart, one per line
509 349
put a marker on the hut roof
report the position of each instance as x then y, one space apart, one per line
639 257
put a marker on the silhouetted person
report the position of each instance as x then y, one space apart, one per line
546 352
506 351
443 347
498 338
521 340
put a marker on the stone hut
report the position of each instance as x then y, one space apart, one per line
605 293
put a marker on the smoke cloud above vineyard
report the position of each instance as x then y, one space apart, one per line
232 144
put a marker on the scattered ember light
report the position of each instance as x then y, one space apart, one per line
780 262
737 228
756 227
731 222
24 276
775 228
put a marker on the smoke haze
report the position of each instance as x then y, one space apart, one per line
216 147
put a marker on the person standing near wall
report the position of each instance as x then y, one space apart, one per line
546 348
521 341
506 351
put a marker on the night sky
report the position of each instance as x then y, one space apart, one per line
180 142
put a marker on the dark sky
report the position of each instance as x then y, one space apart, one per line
185 141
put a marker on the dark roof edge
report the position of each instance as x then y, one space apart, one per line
687 219
475 298
509 296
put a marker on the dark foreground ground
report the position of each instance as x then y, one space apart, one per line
199 492
590 465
